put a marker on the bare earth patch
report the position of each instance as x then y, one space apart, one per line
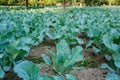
85 74
90 74
45 69
11 76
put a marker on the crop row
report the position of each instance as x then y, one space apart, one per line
22 29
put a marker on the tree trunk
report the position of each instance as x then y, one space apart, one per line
109 4
64 5
74 2
20 3
26 3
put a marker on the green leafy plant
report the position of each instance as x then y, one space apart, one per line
64 60
27 71
111 75
112 43
30 71
33 72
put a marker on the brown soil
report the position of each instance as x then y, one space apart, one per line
85 74
45 69
97 59
38 50
11 76
90 74
42 48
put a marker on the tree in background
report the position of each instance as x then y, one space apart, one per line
10 2
46 2
87 2
33 2
110 2
74 2
50 2
4 2
21 2
63 1
26 3
117 2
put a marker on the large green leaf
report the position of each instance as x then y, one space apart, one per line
46 77
63 50
113 48
53 56
108 41
106 66
12 50
75 56
116 57
112 76
27 71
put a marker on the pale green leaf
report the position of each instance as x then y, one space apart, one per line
58 78
108 57
80 41
77 68
96 50
90 42
112 76
1 73
70 77
46 59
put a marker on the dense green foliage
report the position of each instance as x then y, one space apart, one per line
21 29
